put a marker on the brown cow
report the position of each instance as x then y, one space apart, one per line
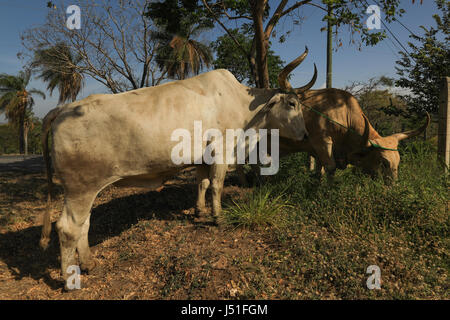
340 134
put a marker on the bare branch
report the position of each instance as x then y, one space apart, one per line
295 6
113 42
236 17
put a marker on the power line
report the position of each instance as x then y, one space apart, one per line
392 34
392 50
398 20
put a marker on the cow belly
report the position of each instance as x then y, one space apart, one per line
143 181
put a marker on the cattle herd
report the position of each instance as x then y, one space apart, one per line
125 139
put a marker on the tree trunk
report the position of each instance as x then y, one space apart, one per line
329 50
22 134
261 43
25 139
253 69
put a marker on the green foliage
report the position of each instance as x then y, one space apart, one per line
422 70
16 102
353 14
9 139
173 16
15 98
229 57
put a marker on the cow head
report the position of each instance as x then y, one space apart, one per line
285 107
284 112
380 155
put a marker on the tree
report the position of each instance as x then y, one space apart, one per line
16 101
422 70
183 56
180 55
58 67
255 13
229 57
8 138
115 43
28 125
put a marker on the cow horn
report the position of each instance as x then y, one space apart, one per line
365 141
310 83
412 133
282 76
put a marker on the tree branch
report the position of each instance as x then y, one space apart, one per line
247 54
295 6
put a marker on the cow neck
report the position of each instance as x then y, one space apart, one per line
258 99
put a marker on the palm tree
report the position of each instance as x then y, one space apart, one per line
16 102
181 55
57 66
28 125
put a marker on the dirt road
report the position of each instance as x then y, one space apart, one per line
28 164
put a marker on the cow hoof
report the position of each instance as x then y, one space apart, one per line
216 220
199 212
88 267
43 243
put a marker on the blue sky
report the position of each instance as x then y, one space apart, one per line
349 64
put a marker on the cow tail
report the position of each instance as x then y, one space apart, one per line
46 223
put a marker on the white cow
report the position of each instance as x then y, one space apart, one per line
126 138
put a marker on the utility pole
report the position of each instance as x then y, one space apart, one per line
444 124
329 48
329 78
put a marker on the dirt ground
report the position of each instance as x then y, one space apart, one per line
146 244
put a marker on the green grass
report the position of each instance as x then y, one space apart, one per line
329 234
260 208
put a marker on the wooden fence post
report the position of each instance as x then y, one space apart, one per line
444 123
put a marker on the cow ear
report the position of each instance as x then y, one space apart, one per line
275 99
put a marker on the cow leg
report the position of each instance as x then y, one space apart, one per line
324 151
312 163
84 252
203 184
319 169
70 227
217 177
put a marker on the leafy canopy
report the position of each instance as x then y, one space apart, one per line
428 62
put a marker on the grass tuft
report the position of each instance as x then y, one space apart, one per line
262 207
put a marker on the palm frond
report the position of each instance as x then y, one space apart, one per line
38 92
183 56
57 66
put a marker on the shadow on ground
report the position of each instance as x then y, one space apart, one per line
20 251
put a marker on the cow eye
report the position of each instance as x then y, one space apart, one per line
292 104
